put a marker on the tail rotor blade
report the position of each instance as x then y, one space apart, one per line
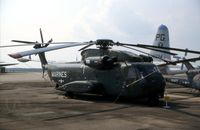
42 40
27 42
50 41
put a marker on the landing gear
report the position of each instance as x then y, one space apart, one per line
153 100
56 87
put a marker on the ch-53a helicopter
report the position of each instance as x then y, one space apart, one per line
103 70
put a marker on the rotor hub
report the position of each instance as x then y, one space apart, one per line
104 43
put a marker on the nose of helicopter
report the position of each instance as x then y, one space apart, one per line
156 83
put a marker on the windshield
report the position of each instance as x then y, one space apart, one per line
145 69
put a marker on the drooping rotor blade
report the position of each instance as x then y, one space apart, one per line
167 61
27 42
180 61
86 46
170 48
137 45
45 49
34 43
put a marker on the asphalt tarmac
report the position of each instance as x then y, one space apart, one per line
28 102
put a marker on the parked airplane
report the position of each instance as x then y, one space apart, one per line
192 79
162 40
2 66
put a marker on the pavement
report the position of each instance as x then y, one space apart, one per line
27 101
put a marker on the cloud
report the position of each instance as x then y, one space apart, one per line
110 19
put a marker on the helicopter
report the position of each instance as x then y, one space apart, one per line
113 73
104 71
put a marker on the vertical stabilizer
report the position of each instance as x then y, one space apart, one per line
162 40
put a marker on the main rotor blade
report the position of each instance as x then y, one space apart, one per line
167 52
180 61
86 46
170 48
45 49
137 45
50 41
35 43
167 61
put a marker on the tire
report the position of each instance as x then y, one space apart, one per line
69 94
153 100
57 86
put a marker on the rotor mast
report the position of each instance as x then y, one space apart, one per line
104 43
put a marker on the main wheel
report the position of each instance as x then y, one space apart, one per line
153 100
56 87
69 94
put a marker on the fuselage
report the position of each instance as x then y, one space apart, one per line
127 79
194 78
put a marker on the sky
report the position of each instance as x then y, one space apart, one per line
131 21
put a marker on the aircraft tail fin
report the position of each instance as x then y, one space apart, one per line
42 56
162 40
